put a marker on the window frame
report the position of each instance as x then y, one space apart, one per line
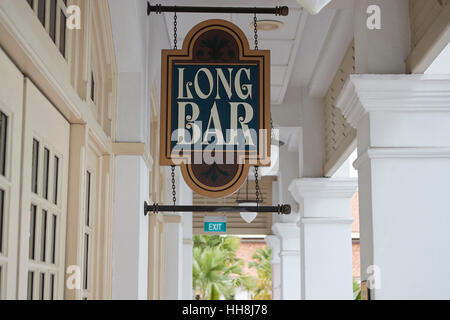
60 12
6 185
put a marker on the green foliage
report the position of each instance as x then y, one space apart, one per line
356 290
216 269
263 266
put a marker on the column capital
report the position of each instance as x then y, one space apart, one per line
400 93
274 244
304 188
401 153
286 230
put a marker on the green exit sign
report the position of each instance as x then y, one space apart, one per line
215 224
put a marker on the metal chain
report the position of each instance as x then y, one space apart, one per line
272 133
174 191
255 24
257 192
175 30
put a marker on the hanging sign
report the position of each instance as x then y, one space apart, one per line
215 108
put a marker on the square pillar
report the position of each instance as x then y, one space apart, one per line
188 291
403 131
289 235
130 229
173 282
326 242
184 197
274 244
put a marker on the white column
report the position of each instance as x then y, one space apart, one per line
177 229
187 269
289 235
185 198
274 244
326 242
173 282
130 233
403 125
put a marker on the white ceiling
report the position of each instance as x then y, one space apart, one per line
297 49
283 43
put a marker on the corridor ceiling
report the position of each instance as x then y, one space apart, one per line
298 57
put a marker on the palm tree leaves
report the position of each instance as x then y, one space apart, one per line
216 270
263 266
356 290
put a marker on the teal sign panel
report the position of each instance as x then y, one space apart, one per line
215 227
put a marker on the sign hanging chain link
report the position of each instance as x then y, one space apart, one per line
255 24
174 191
175 31
257 191
271 126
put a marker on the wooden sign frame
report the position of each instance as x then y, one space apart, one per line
243 159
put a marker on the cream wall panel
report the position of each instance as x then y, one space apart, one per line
93 227
64 82
86 156
76 196
61 86
44 123
105 233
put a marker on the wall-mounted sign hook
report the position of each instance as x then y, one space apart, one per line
278 10
156 208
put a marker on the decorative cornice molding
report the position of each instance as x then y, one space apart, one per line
393 93
286 230
402 153
323 188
